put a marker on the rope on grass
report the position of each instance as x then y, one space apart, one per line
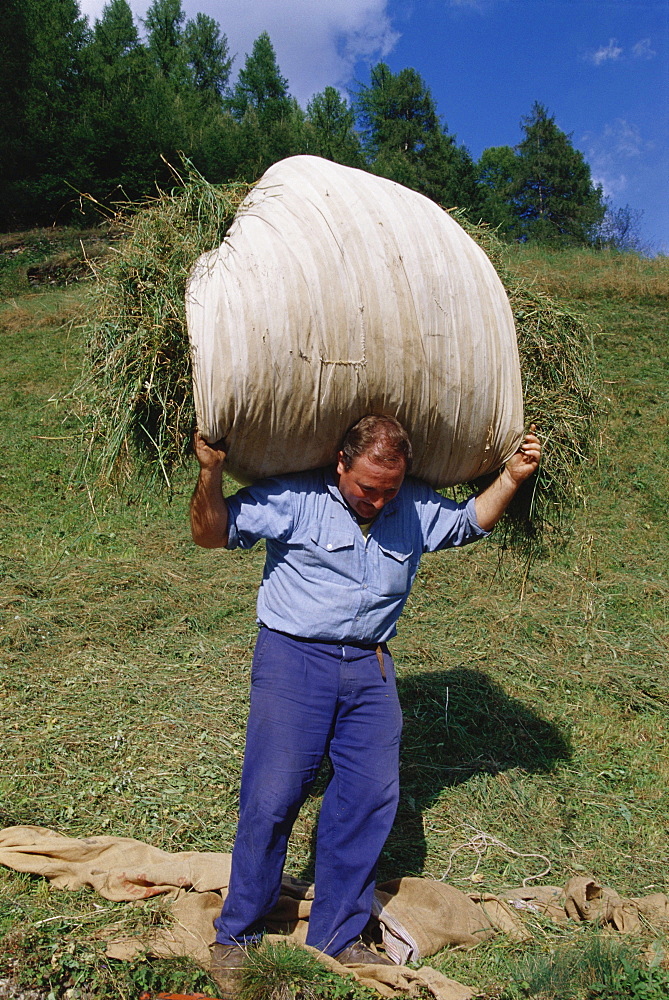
480 842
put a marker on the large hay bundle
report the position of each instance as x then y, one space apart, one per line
338 293
136 392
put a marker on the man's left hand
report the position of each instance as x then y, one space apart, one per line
491 504
526 460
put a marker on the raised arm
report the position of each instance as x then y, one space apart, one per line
208 509
491 504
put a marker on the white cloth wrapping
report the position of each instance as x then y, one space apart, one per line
338 293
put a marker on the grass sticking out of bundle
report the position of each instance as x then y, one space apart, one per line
136 394
137 391
561 396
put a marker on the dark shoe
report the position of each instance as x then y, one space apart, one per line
359 954
227 968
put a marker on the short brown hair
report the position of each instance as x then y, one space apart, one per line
383 439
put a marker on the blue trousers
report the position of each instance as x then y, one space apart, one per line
308 699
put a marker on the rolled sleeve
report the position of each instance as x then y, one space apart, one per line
264 510
447 524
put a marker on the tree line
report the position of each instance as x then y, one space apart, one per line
97 110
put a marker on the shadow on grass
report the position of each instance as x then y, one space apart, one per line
457 724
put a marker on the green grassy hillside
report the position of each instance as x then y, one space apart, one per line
536 700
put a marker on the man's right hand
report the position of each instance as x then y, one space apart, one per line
210 456
208 509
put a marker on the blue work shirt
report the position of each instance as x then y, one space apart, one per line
322 579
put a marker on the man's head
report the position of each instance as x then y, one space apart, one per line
374 458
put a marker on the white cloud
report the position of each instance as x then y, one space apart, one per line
612 185
480 6
317 42
612 52
613 153
623 138
643 49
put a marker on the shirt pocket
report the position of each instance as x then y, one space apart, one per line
396 568
331 555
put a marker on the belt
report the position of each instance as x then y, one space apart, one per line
371 646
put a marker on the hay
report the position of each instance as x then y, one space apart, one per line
136 394
136 397
561 395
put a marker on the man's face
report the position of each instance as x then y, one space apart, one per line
367 486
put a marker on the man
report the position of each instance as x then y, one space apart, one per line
343 548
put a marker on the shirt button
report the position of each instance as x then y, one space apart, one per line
329 545
364 586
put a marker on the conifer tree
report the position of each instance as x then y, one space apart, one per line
397 112
39 156
207 56
260 87
496 173
271 123
164 24
127 111
553 195
115 33
330 131
404 139
14 77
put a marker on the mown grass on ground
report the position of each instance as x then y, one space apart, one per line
542 723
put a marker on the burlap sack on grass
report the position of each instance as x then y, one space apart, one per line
338 293
119 868
122 868
419 915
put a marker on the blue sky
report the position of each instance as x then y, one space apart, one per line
600 66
